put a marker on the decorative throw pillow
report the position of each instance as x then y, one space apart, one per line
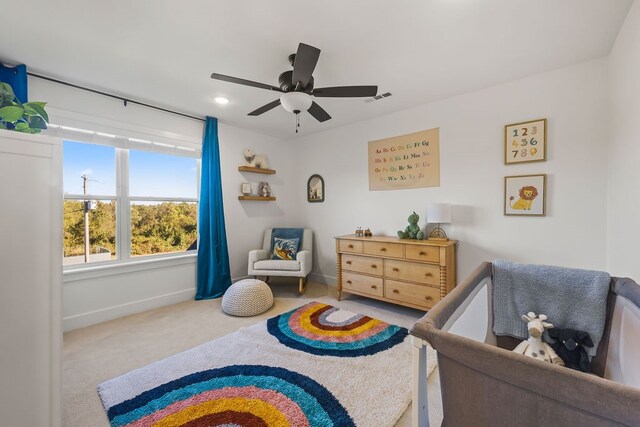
285 249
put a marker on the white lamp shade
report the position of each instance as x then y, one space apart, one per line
439 213
296 101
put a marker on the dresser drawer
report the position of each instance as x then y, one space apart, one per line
422 253
395 250
362 264
412 272
410 293
364 284
351 246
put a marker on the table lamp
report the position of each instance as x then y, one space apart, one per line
439 213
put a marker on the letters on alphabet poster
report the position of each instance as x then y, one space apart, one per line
406 161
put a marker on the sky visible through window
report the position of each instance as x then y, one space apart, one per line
154 174
150 174
96 161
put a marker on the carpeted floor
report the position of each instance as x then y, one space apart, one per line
101 352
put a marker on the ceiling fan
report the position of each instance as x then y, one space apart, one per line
297 87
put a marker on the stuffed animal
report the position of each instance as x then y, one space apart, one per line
255 160
413 229
534 347
570 346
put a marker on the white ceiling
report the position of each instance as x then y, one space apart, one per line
163 51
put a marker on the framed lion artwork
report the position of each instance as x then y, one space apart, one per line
525 195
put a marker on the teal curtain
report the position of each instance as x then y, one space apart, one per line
214 276
16 77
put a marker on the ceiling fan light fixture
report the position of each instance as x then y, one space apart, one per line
298 89
296 102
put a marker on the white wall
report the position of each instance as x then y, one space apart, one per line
624 149
574 100
90 298
246 220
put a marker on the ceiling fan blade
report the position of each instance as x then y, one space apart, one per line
244 82
345 91
318 113
265 108
304 64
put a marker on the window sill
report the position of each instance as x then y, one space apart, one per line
76 274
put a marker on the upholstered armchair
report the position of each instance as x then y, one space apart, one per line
261 264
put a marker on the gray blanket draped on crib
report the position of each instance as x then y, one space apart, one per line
571 298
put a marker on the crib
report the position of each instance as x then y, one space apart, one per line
483 383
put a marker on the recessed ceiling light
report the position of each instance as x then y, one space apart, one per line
221 100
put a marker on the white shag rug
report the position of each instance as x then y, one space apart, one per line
315 365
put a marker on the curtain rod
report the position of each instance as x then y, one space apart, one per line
110 95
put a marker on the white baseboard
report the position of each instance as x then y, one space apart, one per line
322 278
110 313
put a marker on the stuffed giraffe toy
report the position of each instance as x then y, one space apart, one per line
534 347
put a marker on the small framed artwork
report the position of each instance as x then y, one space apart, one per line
246 188
525 195
315 189
525 142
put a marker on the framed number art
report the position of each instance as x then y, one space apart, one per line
525 142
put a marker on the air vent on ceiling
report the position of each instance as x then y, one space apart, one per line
378 97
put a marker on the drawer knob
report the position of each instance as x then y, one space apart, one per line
374 266
350 246
395 269
428 298
374 287
428 274
348 262
423 253
395 291
383 249
349 281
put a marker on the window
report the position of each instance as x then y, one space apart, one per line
164 209
89 178
121 203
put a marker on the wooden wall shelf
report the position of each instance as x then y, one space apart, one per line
257 198
256 170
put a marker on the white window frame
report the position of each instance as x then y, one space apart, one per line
123 201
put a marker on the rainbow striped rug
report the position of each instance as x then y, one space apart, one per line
316 365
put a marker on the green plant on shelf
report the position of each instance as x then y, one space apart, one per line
29 117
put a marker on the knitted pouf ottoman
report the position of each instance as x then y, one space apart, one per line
248 297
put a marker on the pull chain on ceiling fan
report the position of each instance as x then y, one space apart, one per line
297 87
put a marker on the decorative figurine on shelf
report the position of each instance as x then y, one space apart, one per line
264 190
359 232
255 160
413 229
368 233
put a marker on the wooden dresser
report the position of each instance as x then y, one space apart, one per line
414 273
